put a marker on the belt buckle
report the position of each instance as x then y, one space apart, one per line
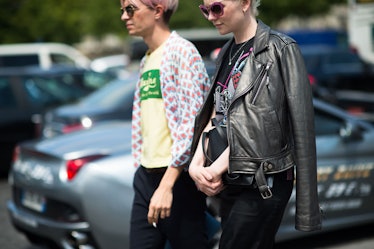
267 193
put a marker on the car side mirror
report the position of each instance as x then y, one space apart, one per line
350 132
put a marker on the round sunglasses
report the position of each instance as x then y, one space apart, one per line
129 9
216 9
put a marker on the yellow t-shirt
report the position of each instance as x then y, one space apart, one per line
157 142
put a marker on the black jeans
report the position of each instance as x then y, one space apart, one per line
184 229
248 220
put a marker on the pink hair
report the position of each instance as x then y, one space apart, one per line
169 5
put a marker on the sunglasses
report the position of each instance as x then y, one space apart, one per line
130 10
216 9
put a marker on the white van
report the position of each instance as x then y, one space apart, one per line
43 54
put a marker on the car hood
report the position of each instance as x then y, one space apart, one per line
106 138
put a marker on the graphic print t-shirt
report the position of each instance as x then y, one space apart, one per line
156 150
229 76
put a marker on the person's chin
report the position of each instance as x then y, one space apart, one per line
130 29
221 29
132 32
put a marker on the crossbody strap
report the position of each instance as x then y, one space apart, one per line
219 128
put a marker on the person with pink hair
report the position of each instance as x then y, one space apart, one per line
172 85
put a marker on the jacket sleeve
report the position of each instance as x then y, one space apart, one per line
185 82
136 136
301 111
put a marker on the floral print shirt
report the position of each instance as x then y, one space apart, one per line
184 84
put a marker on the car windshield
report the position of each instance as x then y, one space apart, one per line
7 98
94 80
343 59
18 60
115 93
44 91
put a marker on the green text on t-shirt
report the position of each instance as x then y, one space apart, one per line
150 87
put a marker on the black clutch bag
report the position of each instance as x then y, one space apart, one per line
214 142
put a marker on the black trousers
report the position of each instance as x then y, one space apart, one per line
184 229
248 220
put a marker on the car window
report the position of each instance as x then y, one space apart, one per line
19 60
7 98
51 91
95 80
343 58
61 59
115 93
326 124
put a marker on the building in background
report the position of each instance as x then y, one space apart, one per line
361 28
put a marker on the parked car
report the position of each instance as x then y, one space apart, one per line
118 64
25 93
358 103
205 39
44 55
341 77
110 63
338 68
76 189
111 102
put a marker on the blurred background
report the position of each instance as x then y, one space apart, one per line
95 27
67 77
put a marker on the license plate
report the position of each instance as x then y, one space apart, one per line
33 201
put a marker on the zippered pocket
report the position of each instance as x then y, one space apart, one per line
264 80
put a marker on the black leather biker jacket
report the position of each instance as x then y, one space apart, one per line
270 121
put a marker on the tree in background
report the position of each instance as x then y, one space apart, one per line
69 21
59 21
273 11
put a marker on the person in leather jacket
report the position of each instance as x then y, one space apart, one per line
262 96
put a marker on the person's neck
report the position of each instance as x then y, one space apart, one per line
157 38
247 32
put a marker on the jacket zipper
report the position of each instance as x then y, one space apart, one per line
263 72
263 81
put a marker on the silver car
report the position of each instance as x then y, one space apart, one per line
55 198
75 190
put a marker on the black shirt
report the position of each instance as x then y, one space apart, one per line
229 75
